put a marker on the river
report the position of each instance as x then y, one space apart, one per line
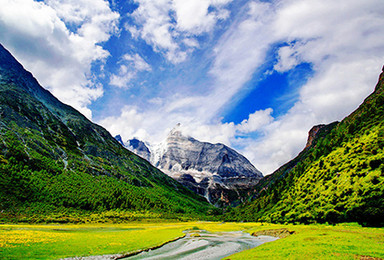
203 245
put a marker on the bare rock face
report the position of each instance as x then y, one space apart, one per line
312 134
215 171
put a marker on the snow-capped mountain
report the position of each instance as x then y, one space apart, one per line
214 171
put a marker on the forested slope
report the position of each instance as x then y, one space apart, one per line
53 159
340 177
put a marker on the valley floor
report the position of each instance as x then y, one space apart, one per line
346 241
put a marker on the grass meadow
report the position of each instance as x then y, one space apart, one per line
347 241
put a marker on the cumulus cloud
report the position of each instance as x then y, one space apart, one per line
256 121
132 64
168 26
194 17
38 35
288 58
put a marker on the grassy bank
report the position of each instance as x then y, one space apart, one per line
308 242
321 242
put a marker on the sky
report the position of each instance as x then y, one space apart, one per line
254 75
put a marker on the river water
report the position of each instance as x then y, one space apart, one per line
203 245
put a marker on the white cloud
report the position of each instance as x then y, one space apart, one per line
191 42
138 62
132 64
168 25
192 16
226 132
123 77
155 27
153 125
288 59
241 50
213 133
37 35
256 121
126 124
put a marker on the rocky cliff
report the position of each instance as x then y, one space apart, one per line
313 134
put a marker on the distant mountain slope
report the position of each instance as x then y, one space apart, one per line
214 171
338 177
139 148
50 154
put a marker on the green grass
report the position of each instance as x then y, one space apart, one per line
321 242
309 242
58 241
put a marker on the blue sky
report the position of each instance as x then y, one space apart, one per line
255 75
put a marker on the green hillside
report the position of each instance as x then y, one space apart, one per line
53 160
338 178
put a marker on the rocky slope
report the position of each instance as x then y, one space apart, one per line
52 157
338 177
215 171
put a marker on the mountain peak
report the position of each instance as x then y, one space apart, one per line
176 131
215 171
119 139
